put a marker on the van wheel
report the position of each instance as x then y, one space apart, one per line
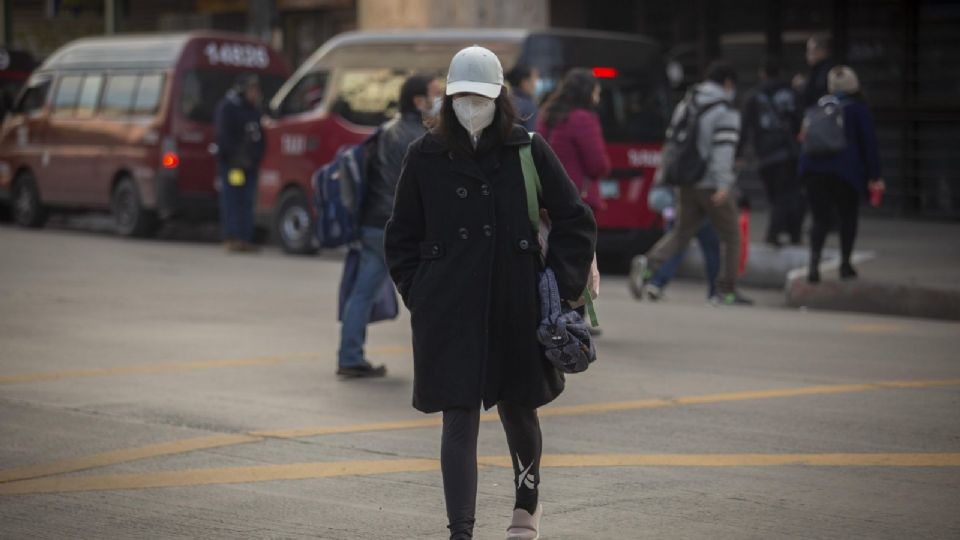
129 215
293 224
28 210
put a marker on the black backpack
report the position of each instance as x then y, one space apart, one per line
681 163
824 132
774 133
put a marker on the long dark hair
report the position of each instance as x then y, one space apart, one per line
457 138
575 92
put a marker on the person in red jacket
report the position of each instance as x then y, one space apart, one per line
569 124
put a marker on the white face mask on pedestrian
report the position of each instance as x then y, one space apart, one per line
475 113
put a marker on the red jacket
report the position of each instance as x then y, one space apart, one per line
578 142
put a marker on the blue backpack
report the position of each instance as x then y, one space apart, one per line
338 189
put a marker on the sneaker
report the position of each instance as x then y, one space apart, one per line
640 274
847 271
653 292
730 299
524 526
364 370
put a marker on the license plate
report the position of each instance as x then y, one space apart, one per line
610 189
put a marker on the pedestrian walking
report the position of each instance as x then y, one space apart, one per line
462 251
662 200
771 122
819 50
524 88
570 125
240 146
420 97
837 180
717 128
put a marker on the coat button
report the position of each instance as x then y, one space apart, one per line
464 233
524 245
485 190
487 230
462 192
435 249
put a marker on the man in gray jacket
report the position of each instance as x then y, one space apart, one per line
710 198
420 98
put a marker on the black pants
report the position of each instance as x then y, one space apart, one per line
832 197
787 208
458 461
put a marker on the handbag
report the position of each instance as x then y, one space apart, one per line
386 306
562 332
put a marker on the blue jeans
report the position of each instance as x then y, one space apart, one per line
237 205
709 245
371 272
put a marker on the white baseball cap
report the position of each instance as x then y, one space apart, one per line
475 70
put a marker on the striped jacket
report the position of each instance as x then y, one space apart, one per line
718 136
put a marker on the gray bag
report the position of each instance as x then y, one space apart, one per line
824 134
563 333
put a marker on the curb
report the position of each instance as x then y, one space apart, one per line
873 297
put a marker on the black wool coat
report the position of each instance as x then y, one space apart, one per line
465 259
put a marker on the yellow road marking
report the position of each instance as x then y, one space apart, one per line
125 455
188 445
174 367
303 471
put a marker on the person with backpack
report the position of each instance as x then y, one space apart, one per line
771 121
419 101
839 162
240 146
698 159
465 257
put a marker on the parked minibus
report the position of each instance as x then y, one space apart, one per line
351 84
125 124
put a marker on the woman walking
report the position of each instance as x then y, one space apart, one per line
572 128
465 259
837 182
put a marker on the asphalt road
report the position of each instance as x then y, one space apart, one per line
166 389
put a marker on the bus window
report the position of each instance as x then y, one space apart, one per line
118 97
306 95
33 98
204 88
148 94
89 94
65 100
369 97
632 110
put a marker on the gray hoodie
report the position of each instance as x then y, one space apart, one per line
718 136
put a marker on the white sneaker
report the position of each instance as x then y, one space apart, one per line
653 292
523 526
637 279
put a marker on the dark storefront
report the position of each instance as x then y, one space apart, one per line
907 54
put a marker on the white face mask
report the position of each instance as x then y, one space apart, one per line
474 112
435 106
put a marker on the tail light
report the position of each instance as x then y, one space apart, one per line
169 158
605 72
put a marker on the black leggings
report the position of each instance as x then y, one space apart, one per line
458 461
832 196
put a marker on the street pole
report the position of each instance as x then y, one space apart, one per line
110 8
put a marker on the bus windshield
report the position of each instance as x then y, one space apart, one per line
204 88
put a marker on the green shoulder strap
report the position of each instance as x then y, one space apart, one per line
531 184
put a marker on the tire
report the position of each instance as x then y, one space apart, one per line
293 224
129 216
27 208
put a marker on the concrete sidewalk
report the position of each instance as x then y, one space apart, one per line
906 268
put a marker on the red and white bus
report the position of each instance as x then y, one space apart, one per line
351 85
